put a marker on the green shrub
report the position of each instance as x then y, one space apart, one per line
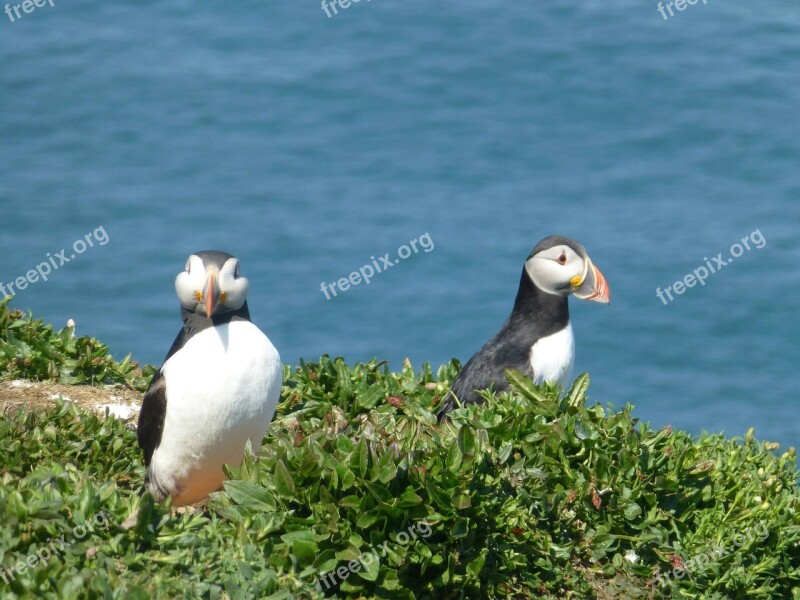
32 349
531 495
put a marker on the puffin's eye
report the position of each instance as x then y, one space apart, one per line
188 266
236 271
562 260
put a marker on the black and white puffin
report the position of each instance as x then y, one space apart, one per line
536 339
218 387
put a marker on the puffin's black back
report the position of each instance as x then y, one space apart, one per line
536 314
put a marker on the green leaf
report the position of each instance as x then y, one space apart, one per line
584 430
249 495
370 568
523 385
462 501
475 566
454 458
632 511
408 499
577 394
351 501
283 479
466 440
367 519
359 459
380 492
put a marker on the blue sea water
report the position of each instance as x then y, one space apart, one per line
306 145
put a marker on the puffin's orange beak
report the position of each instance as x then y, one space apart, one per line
594 286
211 294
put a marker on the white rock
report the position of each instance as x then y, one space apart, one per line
21 383
121 411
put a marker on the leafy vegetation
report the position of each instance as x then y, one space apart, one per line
32 349
357 493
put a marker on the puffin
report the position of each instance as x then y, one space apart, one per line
537 337
218 387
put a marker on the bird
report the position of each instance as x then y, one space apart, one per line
537 337
219 385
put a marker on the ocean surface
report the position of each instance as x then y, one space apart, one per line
306 145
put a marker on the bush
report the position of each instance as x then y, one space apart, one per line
358 493
32 349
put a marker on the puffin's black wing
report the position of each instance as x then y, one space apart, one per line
486 369
154 406
151 417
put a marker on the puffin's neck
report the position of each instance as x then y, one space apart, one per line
194 323
534 303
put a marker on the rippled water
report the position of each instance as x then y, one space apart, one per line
307 145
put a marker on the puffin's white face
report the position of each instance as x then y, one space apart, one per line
211 284
561 270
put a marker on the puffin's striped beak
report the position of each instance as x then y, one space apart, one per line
211 294
594 286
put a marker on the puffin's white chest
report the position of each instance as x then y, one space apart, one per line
553 357
222 388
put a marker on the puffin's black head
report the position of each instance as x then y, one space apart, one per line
211 284
559 265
